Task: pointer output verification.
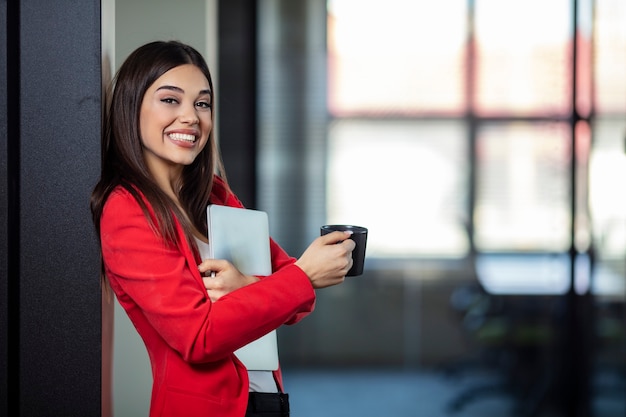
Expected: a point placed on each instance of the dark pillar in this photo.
(50, 110)
(237, 95)
(4, 208)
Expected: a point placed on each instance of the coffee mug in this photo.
(359, 236)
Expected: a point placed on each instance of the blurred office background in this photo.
(482, 142)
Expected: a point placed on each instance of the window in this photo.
(454, 124)
(398, 143)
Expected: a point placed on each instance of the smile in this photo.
(183, 137)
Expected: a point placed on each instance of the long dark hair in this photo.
(122, 155)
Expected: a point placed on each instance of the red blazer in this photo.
(189, 339)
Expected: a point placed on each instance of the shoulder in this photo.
(120, 199)
(124, 204)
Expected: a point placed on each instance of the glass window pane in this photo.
(610, 56)
(396, 56)
(607, 200)
(524, 273)
(523, 57)
(523, 187)
(404, 180)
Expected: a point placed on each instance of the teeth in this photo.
(183, 137)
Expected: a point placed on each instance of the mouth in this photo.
(183, 137)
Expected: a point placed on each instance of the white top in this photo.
(260, 381)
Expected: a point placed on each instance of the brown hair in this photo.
(122, 155)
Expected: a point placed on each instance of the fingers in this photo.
(210, 267)
(220, 277)
(349, 244)
(328, 259)
(216, 286)
(208, 282)
(335, 237)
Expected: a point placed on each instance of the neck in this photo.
(169, 184)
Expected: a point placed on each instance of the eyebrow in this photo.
(180, 90)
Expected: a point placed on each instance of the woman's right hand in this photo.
(328, 259)
(220, 277)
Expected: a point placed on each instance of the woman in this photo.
(160, 170)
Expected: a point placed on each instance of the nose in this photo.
(189, 114)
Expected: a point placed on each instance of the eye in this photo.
(169, 100)
(203, 104)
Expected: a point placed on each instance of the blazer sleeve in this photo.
(160, 287)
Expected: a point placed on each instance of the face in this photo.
(175, 120)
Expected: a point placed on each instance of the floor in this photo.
(371, 393)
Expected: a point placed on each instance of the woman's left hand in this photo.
(221, 277)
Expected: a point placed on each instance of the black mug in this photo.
(359, 236)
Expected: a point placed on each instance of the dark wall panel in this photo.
(3, 213)
(237, 95)
(54, 342)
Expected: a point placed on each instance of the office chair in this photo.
(512, 340)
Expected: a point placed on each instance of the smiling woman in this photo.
(161, 169)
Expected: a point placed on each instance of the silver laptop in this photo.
(241, 236)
